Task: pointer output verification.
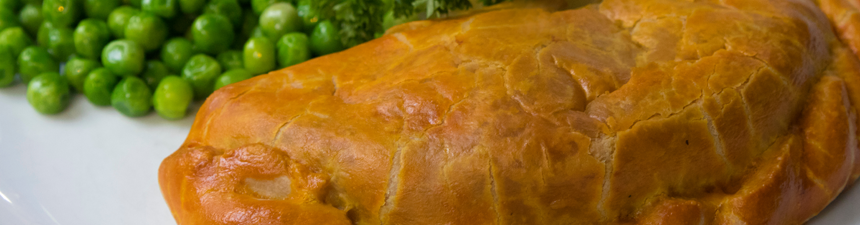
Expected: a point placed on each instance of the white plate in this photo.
(90, 166)
(87, 165)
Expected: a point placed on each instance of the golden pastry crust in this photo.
(625, 112)
(845, 17)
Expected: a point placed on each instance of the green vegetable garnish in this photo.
(7, 67)
(279, 19)
(90, 37)
(232, 76)
(31, 18)
(16, 39)
(98, 86)
(201, 71)
(293, 48)
(310, 16)
(123, 58)
(62, 13)
(259, 55)
(48, 93)
(36, 60)
(118, 19)
(61, 43)
(176, 53)
(360, 20)
(325, 39)
(42, 33)
(77, 70)
(172, 97)
(147, 30)
(132, 97)
(212, 33)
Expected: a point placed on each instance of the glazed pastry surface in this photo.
(622, 112)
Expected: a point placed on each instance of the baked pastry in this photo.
(623, 112)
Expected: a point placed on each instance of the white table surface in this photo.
(90, 166)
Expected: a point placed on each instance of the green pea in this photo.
(212, 33)
(35, 60)
(147, 30)
(280, 19)
(98, 86)
(260, 5)
(176, 52)
(16, 39)
(63, 13)
(249, 22)
(259, 56)
(77, 69)
(310, 16)
(42, 35)
(100, 9)
(201, 72)
(48, 93)
(7, 67)
(8, 19)
(131, 97)
(293, 49)
(123, 58)
(227, 8)
(191, 6)
(90, 37)
(155, 71)
(61, 43)
(231, 60)
(325, 39)
(31, 18)
(162, 8)
(118, 19)
(232, 76)
(10, 4)
(172, 97)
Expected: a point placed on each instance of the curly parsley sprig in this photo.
(433, 8)
(359, 20)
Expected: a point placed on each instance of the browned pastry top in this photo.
(626, 112)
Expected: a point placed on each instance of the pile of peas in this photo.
(136, 55)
